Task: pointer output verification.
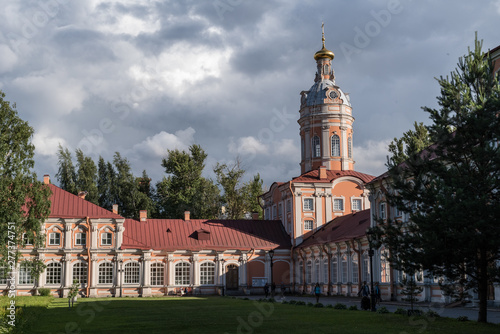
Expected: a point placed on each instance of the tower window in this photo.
(349, 147)
(316, 148)
(308, 204)
(308, 225)
(335, 146)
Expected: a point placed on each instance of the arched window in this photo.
(132, 271)
(316, 148)
(207, 273)
(335, 270)
(53, 273)
(106, 273)
(366, 267)
(385, 269)
(308, 272)
(355, 269)
(335, 146)
(345, 274)
(25, 274)
(182, 273)
(316, 271)
(80, 272)
(157, 273)
(349, 147)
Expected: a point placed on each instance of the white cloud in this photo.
(371, 157)
(158, 144)
(8, 59)
(247, 146)
(47, 144)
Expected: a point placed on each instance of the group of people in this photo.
(364, 293)
(273, 289)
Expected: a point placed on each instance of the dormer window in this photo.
(54, 239)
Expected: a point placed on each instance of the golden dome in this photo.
(324, 52)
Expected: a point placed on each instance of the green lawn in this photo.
(220, 315)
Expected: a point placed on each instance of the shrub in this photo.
(401, 311)
(246, 298)
(329, 306)
(318, 305)
(285, 302)
(310, 304)
(353, 308)
(383, 310)
(300, 302)
(463, 318)
(271, 300)
(432, 314)
(292, 302)
(44, 291)
(340, 306)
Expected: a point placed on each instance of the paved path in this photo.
(455, 312)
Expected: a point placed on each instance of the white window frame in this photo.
(335, 142)
(335, 270)
(53, 274)
(307, 207)
(308, 224)
(356, 200)
(383, 210)
(80, 239)
(105, 273)
(26, 240)
(349, 147)
(354, 269)
(110, 239)
(132, 273)
(53, 238)
(309, 272)
(25, 277)
(80, 271)
(344, 268)
(182, 273)
(157, 274)
(338, 200)
(207, 273)
(316, 147)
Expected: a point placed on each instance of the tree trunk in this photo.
(482, 288)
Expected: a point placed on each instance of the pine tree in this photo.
(451, 189)
(24, 201)
(66, 175)
(86, 177)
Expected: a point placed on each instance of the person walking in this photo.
(317, 292)
(364, 292)
(376, 289)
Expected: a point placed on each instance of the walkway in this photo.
(455, 312)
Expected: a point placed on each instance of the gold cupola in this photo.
(324, 52)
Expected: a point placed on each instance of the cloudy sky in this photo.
(141, 77)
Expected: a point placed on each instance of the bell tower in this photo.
(325, 120)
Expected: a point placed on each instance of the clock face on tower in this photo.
(333, 94)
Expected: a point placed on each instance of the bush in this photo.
(463, 318)
(329, 306)
(246, 298)
(44, 291)
(292, 302)
(271, 300)
(318, 305)
(353, 308)
(285, 302)
(432, 314)
(401, 311)
(300, 302)
(340, 306)
(383, 310)
(310, 304)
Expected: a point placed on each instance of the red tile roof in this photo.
(67, 205)
(331, 175)
(177, 234)
(340, 229)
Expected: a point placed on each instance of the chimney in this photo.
(143, 215)
(186, 215)
(46, 179)
(322, 172)
(115, 208)
(255, 216)
(82, 194)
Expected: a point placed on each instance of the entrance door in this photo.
(232, 277)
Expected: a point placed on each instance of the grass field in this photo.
(217, 315)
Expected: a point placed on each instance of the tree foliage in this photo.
(185, 188)
(24, 201)
(451, 190)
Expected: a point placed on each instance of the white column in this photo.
(325, 142)
(67, 235)
(328, 207)
(67, 282)
(343, 143)
(243, 270)
(307, 149)
(94, 235)
(145, 281)
(319, 209)
(298, 216)
(195, 278)
(95, 276)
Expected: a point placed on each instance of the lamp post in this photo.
(369, 236)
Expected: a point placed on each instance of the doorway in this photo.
(232, 277)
